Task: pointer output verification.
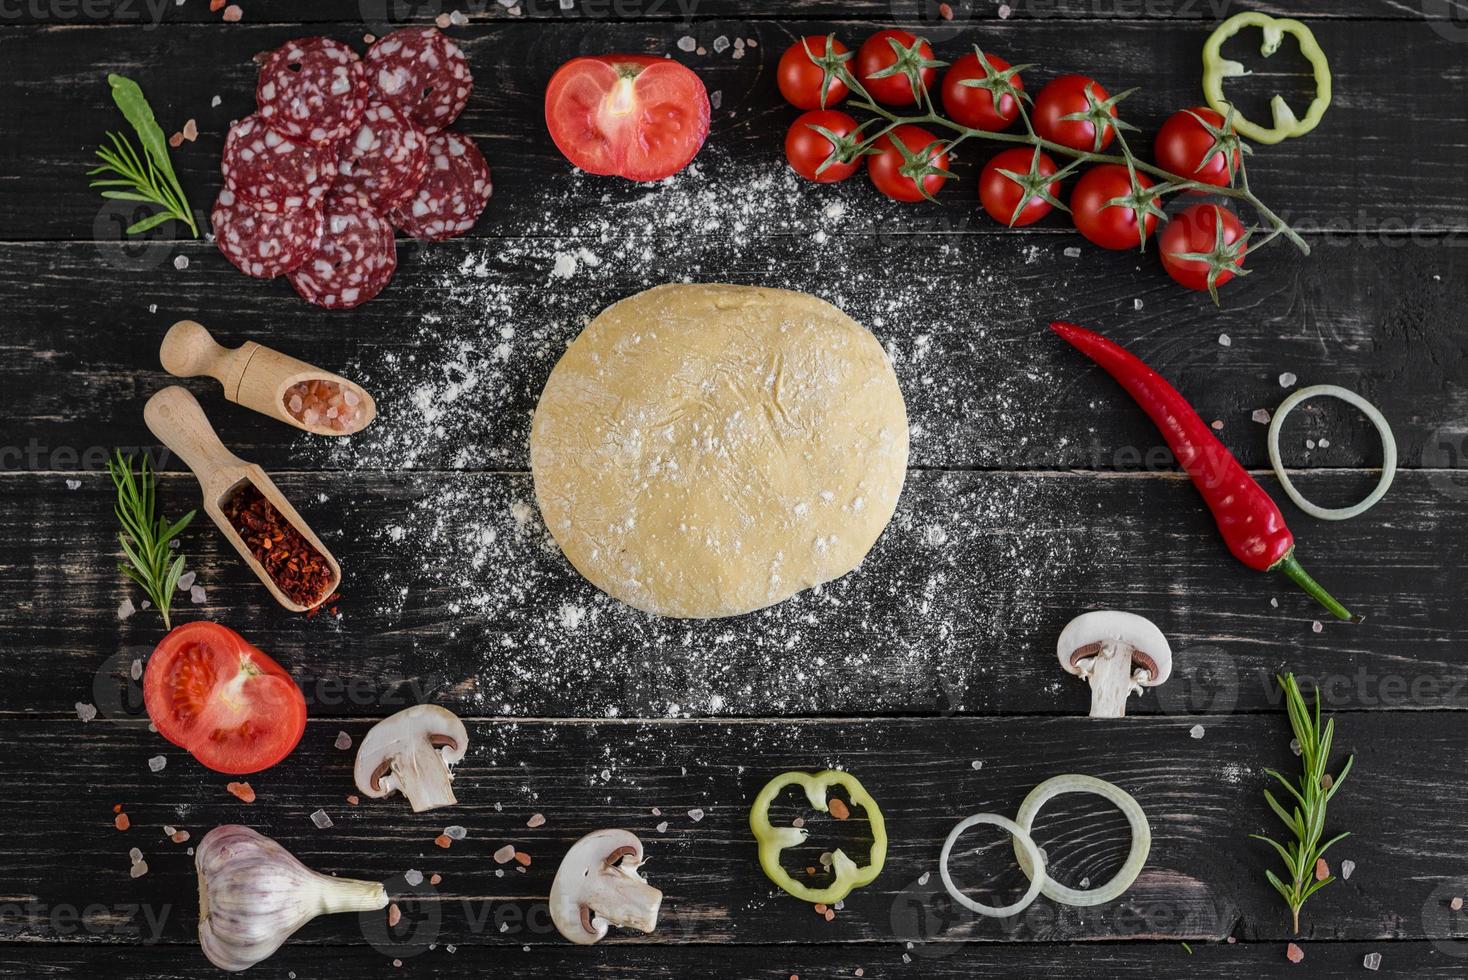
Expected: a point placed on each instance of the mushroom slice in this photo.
(411, 752)
(597, 886)
(1117, 653)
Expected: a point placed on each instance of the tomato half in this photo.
(1108, 225)
(885, 167)
(1000, 195)
(877, 54)
(972, 106)
(1183, 147)
(1195, 230)
(208, 690)
(808, 149)
(631, 115)
(1065, 96)
(801, 79)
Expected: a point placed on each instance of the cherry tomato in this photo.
(1000, 195)
(1062, 97)
(876, 53)
(1195, 230)
(1183, 147)
(801, 79)
(885, 167)
(807, 149)
(974, 107)
(635, 116)
(209, 691)
(1110, 226)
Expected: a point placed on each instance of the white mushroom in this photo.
(411, 752)
(597, 885)
(1117, 653)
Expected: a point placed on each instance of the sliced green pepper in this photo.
(1216, 68)
(772, 840)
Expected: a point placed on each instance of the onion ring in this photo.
(1388, 451)
(1023, 844)
(1135, 859)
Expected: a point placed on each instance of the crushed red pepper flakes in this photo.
(215, 6)
(122, 821)
(838, 809)
(444, 841)
(241, 790)
(117, 808)
(293, 563)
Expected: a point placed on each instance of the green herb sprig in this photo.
(147, 176)
(1306, 817)
(145, 536)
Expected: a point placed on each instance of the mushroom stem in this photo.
(624, 899)
(423, 777)
(1109, 673)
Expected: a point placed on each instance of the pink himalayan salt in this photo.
(324, 403)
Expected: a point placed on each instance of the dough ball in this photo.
(709, 450)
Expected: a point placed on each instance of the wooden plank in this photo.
(978, 961)
(1311, 180)
(1203, 880)
(454, 593)
(913, 14)
(458, 347)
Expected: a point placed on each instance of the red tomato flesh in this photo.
(634, 116)
(208, 690)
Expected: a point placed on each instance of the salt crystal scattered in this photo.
(923, 878)
(1287, 380)
(343, 741)
(657, 811)
(505, 854)
(1371, 961)
(136, 670)
(73, 484)
(458, 18)
(455, 832)
(1072, 252)
(687, 43)
(1317, 626)
(1324, 443)
(180, 261)
(1261, 415)
(1217, 425)
(169, 831)
(413, 877)
(1348, 868)
(1322, 869)
(186, 581)
(716, 98)
(536, 820)
(1137, 303)
(233, 13)
(1456, 904)
(721, 44)
(321, 820)
(214, 102)
(1224, 340)
(85, 711)
(134, 855)
(157, 762)
(139, 869)
(663, 827)
(1273, 603)
(1295, 746)
(125, 609)
(1004, 11)
(1294, 953)
(977, 764)
(196, 595)
(695, 815)
(1196, 731)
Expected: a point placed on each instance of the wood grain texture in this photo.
(1311, 181)
(980, 961)
(454, 593)
(1203, 879)
(986, 384)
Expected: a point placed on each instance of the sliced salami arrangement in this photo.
(341, 151)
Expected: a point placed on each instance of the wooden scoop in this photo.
(175, 418)
(254, 376)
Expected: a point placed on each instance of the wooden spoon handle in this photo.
(176, 418)
(189, 350)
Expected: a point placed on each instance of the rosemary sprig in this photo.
(1306, 817)
(145, 536)
(1225, 140)
(148, 176)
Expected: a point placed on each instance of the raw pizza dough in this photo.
(709, 450)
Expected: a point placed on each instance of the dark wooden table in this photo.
(1036, 491)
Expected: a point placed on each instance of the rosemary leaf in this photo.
(150, 175)
(145, 536)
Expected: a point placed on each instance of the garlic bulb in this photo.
(253, 894)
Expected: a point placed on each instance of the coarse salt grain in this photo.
(343, 741)
(1294, 953)
(156, 763)
(138, 869)
(455, 832)
(662, 827)
(413, 877)
(196, 595)
(505, 854)
(687, 43)
(536, 820)
(1224, 340)
(85, 711)
(1348, 868)
(321, 820)
(180, 262)
(1196, 731)
(695, 815)
(1287, 380)
(1261, 415)
(1371, 961)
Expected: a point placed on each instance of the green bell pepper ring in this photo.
(773, 840)
(1216, 68)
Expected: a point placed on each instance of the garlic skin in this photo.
(253, 894)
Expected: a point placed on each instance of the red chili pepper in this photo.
(1248, 519)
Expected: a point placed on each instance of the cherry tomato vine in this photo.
(1071, 119)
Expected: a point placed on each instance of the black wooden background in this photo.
(1036, 491)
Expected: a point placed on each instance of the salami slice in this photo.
(260, 243)
(421, 73)
(452, 195)
(384, 161)
(312, 89)
(272, 173)
(354, 260)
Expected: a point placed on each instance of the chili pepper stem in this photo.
(1291, 567)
